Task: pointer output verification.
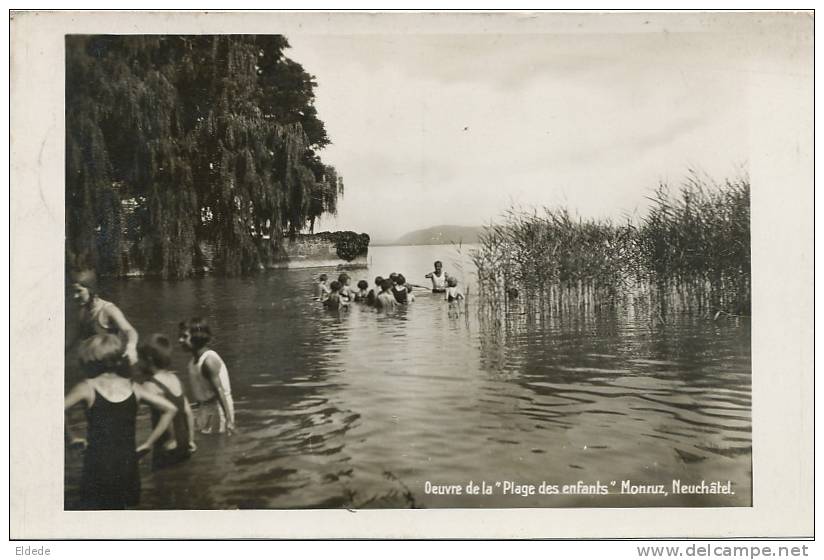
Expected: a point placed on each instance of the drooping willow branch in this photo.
(176, 141)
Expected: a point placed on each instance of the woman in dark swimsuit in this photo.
(110, 478)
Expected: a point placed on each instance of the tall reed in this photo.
(695, 246)
(691, 251)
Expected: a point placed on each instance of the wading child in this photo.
(372, 296)
(362, 293)
(453, 293)
(321, 289)
(438, 278)
(98, 316)
(209, 380)
(401, 291)
(345, 289)
(386, 301)
(177, 443)
(110, 478)
(334, 301)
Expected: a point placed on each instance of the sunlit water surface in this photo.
(358, 409)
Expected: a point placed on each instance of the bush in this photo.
(348, 244)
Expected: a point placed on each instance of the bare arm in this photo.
(190, 421)
(117, 317)
(212, 366)
(167, 409)
(82, 392)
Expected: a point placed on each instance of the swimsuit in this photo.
(110, 477)
(439, 283)
(210, 416)
(91, 320)
(400, 294)
(162, 457)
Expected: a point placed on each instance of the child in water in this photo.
(345, 289)
(401, 290)
(110, 478)
(362, 293)
(453, 293)
(385, 300)
(321, 289)
(98, 316)
(177, 443)
(372, 296)
(334, 301)
(208, 379)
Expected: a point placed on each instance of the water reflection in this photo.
(655, 404)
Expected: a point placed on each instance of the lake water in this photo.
(357, 409)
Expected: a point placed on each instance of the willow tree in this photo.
(176, 142)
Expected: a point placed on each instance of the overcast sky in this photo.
(453, 129)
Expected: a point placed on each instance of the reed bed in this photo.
(690, 252)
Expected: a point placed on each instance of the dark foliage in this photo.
(348, 244)
(173, 142)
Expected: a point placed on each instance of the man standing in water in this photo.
(438, 278)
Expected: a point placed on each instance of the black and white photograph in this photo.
(398, 265)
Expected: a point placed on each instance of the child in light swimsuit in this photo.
(345, 289)
(362, 293)
(453, 293)
(321, 289)
(209, 380)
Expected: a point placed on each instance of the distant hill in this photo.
(441, 235)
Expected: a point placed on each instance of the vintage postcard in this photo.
(411, 274)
